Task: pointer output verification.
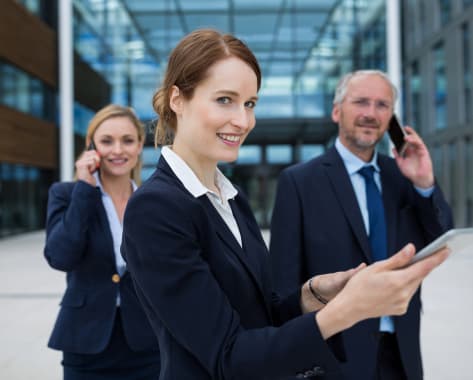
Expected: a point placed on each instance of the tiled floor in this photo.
(30, 292)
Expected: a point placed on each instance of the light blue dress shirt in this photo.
(353, 164)
(116, 227)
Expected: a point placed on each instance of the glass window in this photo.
(24, 93)
(453, 174)
(23, 198)
(437, 160)
(416, 90)
(308, 152)
(279, 154)
(469, 181)
(249, 154)
(440, 86)
(82, 117)
(32, 5)
(466, 71)
(445, 9)
(150, 156)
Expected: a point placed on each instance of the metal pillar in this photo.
(393, 50)
(66, 91)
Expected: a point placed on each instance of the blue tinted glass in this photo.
(150, 156)
(279, 154)
(249, 154)
(308, 152)
(146, 173)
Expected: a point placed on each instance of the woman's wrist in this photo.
(309, 302)
(334, 318)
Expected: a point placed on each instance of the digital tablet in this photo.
(457, 240)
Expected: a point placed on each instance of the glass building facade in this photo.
(437, 60)
(303, 46)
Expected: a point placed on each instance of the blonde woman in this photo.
(101, 328)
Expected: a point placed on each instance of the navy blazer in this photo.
(209, 300)
(79, 242)
(317, 227)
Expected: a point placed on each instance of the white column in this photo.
(393, 48)
(66, 91)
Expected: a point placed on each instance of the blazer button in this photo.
(116, 278)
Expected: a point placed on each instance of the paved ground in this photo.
(30, 292)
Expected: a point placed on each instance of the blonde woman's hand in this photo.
(86, 165)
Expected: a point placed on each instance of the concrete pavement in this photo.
(30, 292)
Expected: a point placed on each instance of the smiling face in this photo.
(212, 125)
(118, 144)
(364, 113)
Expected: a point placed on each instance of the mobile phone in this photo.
(396, 134)
(91, 146)
(457, 240)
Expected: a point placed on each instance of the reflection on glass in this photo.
(453, 175)
(466, 71)
(82, 117)
(279, 154)
(469, 181)
(307, 152)
(23, 197)
(249, 154)
(32, 5)
(416, 88)
(440, 86)
(437, 161)
(22, 92)
(150, 156)
(445, 9)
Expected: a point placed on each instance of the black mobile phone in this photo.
(396, 134)
(91, 145)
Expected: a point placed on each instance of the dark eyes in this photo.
(228, 100)
(224, 100)
(250, 104)
(125, 141)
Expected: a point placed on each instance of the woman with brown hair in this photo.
(197, 257)
(101, 327)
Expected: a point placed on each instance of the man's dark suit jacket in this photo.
(209, 300)
(317, 228)
(79, 242)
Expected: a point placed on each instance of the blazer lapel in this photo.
(104, 227)
(343, 189)
(245, 255)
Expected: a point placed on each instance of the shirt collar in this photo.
(190, 181)
(353, 163)
(100, 186)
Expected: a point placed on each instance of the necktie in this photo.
(377, 224)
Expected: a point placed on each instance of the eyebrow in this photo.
(233, 93)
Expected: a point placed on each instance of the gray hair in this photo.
(342, 85)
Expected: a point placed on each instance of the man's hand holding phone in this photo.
(87, 164)
(414, 162)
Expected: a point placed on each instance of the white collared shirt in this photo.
(190, 181)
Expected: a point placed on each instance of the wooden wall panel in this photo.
(27, 42)
(27, 140)
(30, 44)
